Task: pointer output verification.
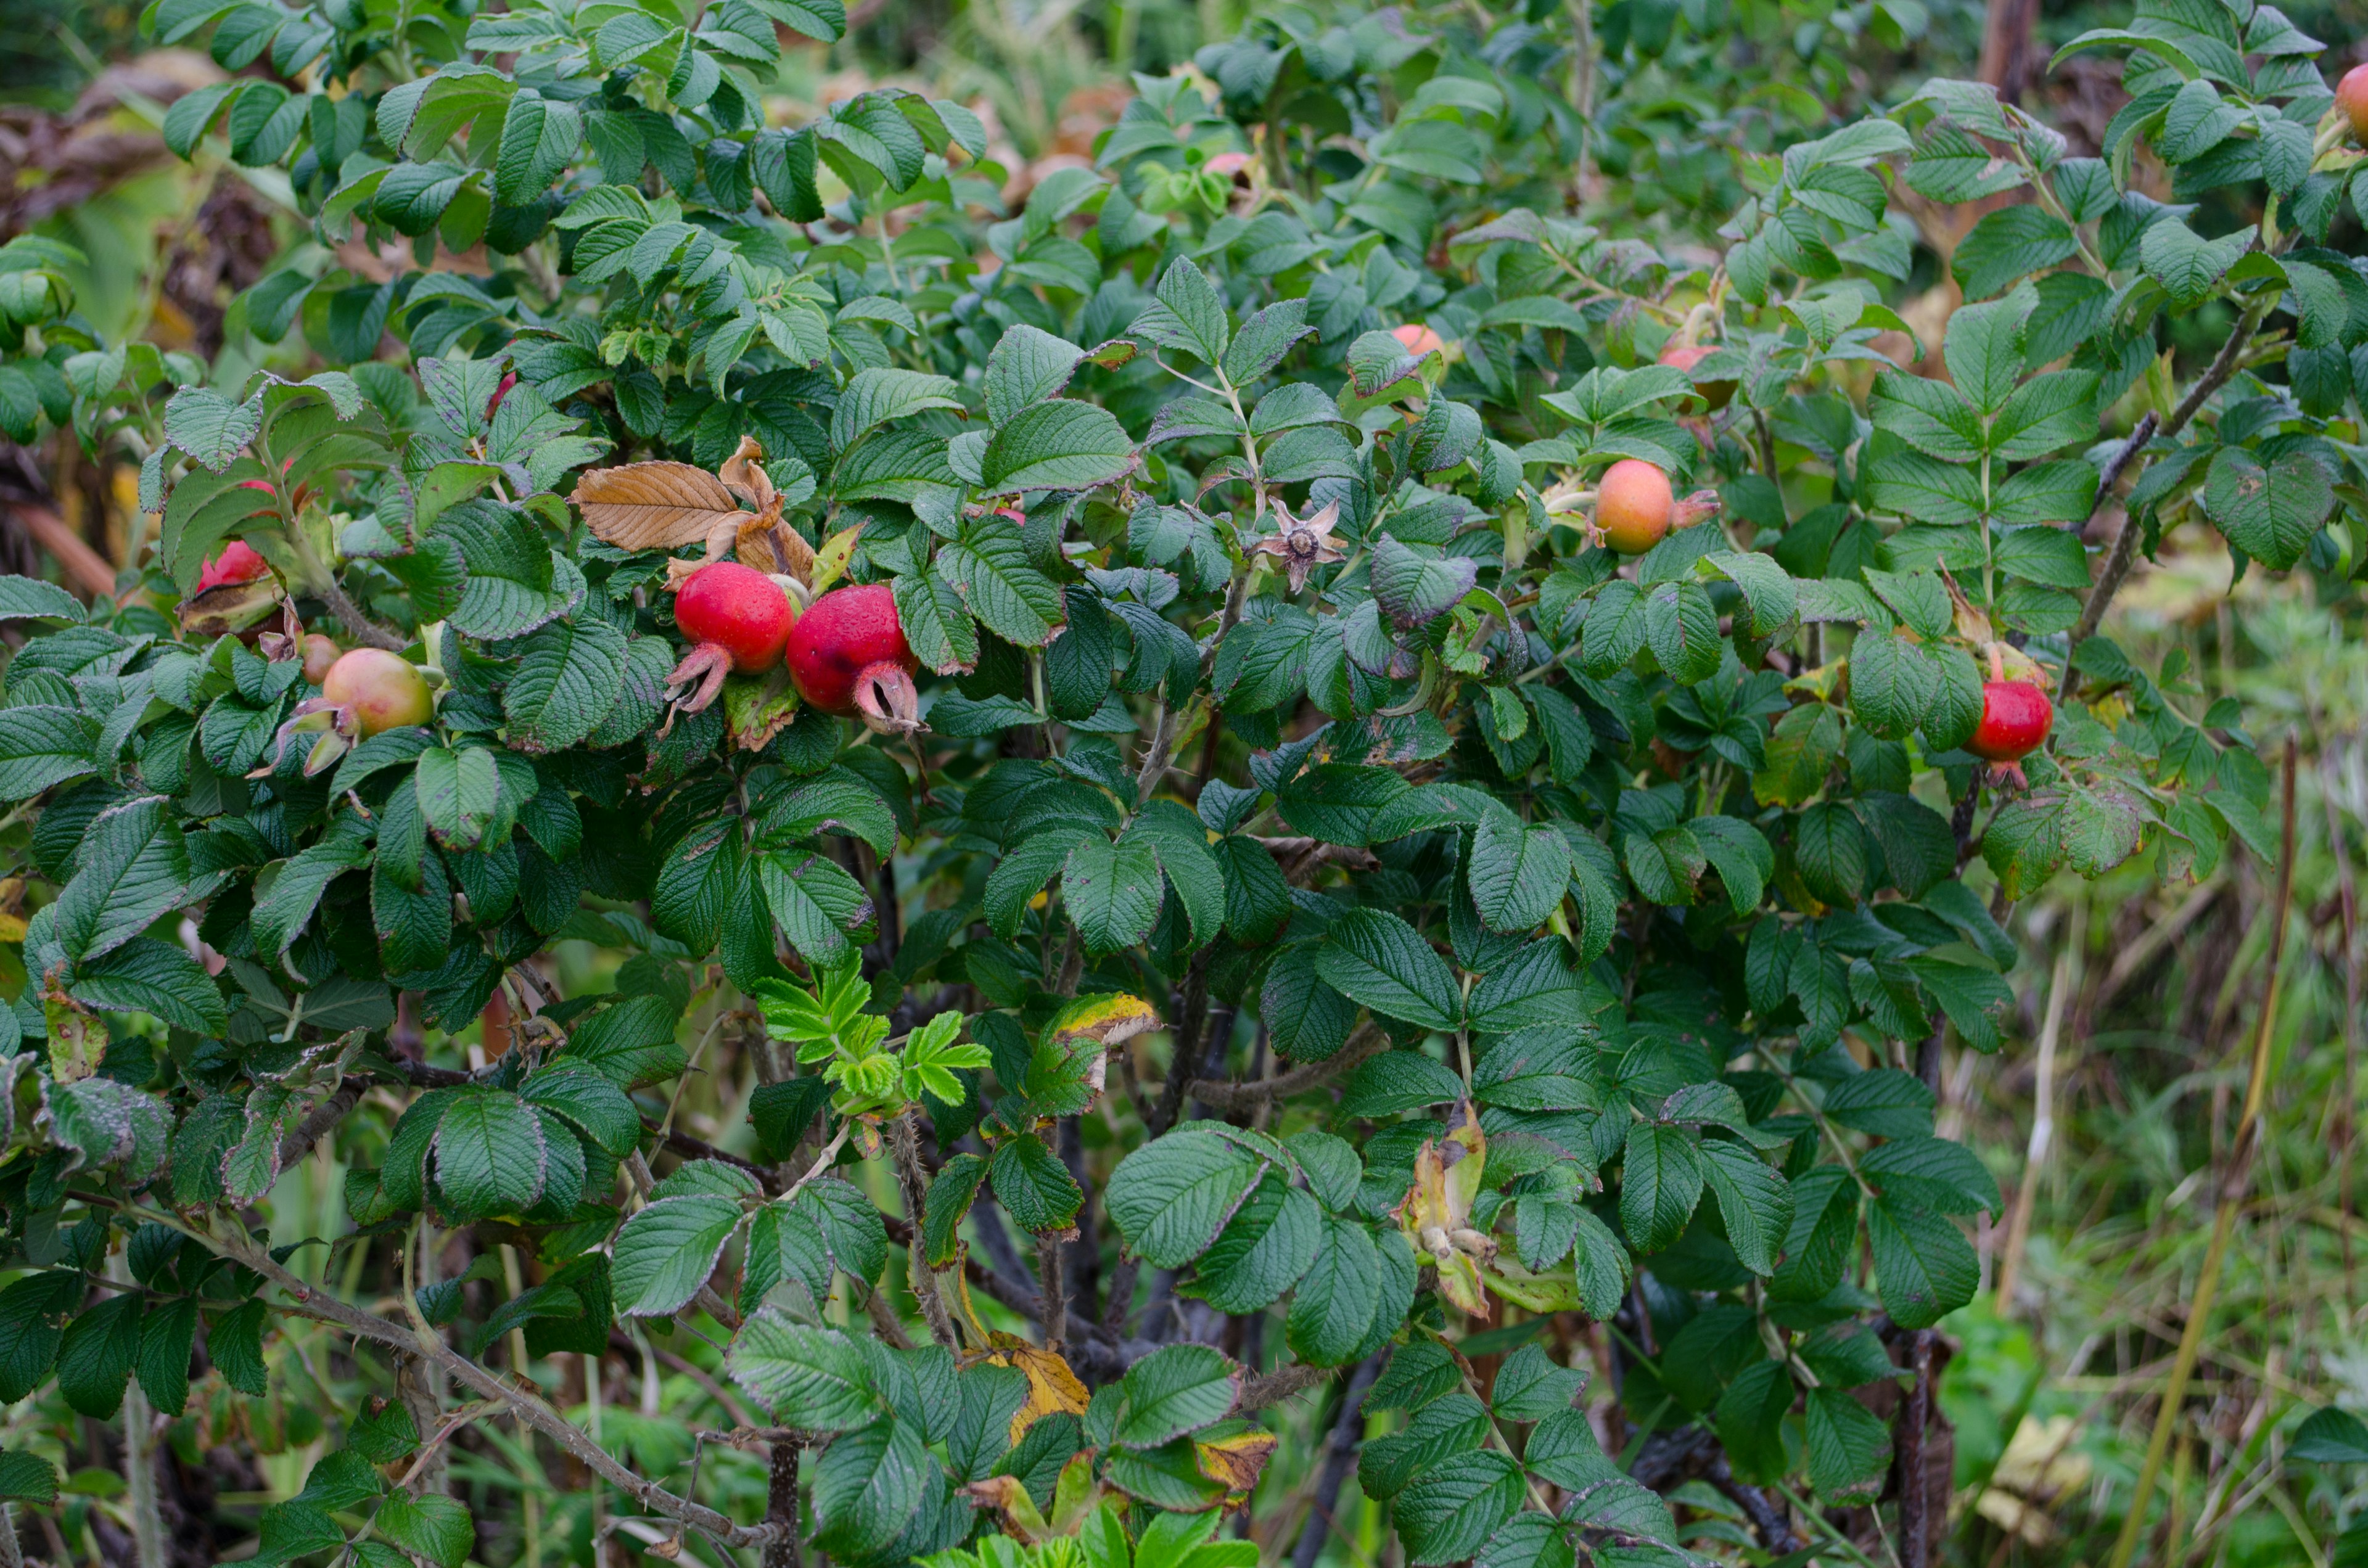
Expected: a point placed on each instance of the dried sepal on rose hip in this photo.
(849, 656)
(737, 618)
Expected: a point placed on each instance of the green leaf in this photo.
(1984, 352)
(1924, 1268)
(868, 1485)
(1170, 1197)
(948, 1201)
(1372, 957)
(876, 395)
(815, 902)
(1750, 1418)
(490, 1156)
(1660, 1183)
(2328, 1435)
(1454, 1506)
(2268, 512)
(1111, 891)
(1336, 802)
(1176, 1389)
(1190, 315)
(539, 137)
(96, 1356)
(1891, 684)
(32, 1317)
(1438, 1431)
(591, 1103)
(570, 674)
(1681, 627)
(1265, 1249)
(1517, 874)
(815, 1377)
(2188, 267)
(1752, 1199)
(27, 1478)
(458, 792)
(1414, 589)
(2007, 245)
(1332, 1310)
(29, 598)
(132, 867)
(210, 428)
(989, 568)
(935, 621)
(1034, 1187)
(1534, 988)
(431, 1525)
(1060, 444)
(42, 747)
(666, 1250)
(1181, 842)
(164, 1365)
(630, 1042)
(1849, 1449)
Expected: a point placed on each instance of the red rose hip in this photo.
(849, 656)
(238, 563)
(738, 618)
(2016, 717)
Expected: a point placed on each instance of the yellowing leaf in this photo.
(830, 561)
(1051, 1386)
(1234, 1461)
(1105, 1018)
(758, 707)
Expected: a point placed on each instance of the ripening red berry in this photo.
(738, 618)
(1685, 357)
(1634, 505)
(2016, 717)
(238, 563)
(494, 403)
(849, 656)
(2352, 97)
(384, 691)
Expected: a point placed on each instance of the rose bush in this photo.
(1367, 933)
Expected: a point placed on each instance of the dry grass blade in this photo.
(655, 506)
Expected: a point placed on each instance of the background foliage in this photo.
(1302, 788)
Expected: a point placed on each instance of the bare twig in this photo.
(1221, 1095)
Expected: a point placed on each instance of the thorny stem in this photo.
(905, 1142)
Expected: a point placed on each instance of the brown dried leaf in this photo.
(743, 474)
(655, 506)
